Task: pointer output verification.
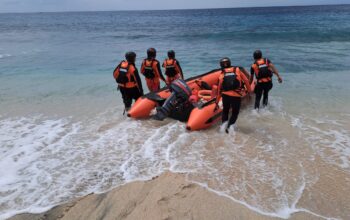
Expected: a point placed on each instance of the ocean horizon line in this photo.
(175, 9)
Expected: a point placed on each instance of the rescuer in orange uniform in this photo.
(128, 80)
(232, 82)
(172, 68)
(263, 70)
(150, 68)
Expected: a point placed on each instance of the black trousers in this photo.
(230, 102)
(128, 94)
(262, 89)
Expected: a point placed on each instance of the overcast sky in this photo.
(106, 5)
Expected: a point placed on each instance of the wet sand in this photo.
(168, 196)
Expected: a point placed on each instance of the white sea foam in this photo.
(223, 127)
(284, 212)
(49, 161)
(274, 107)
(26, 145)
(5, 55)
(327, 137)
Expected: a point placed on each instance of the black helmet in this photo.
(257, 54)
(151, 53)
(130, 56)
(225, 62)
(171, 54)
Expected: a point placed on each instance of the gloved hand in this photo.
(279, 79)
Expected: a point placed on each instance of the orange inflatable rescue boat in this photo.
(201, 114)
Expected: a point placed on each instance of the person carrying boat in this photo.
(150, 68)
(180, 94)
(127, 77)
(172, 68)
(232, 82)
(263, 70)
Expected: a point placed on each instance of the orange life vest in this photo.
(231, 81)
(124, 75)
(262, 70)
(149, 71)
(171, 69)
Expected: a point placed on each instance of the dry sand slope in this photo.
(166, 197)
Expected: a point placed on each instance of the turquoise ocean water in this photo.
(62, 133)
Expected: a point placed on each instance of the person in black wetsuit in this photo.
(128, 80)
(263, 70)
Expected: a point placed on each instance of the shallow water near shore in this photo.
(63, 134)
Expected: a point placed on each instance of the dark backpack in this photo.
(230, 81)
(149, 72)
(170, 70)
(264, 71)
(123, 75)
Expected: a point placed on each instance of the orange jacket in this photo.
(255, 68)
(240, 76)
(155, 66)
(170, 63)
(133, 79)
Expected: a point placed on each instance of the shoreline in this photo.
(173, 9)
(168, 196)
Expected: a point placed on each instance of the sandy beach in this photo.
(65, 144)
(168, 196)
